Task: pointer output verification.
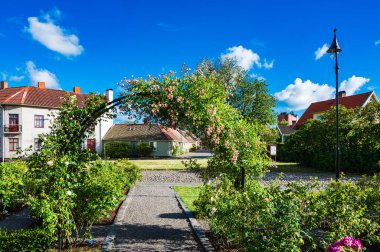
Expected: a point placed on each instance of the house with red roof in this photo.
(165, 141)
(316, 109)
(25, 115)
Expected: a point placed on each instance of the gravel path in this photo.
(153, 220)
(19, 220)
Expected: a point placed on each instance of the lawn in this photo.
(166, 164)
(291, 167)
(188, 195)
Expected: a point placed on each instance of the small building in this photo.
(165, 141)
(289, 118)
(285, 124)
(285, 131)
(316, 109)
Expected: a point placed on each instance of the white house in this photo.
(24, 113)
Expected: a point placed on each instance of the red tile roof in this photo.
(38, 97)
(352, 101)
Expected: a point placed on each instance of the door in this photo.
(13, 123)
(91, 144)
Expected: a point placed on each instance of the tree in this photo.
(247, 94)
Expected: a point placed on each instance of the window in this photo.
(37, 144)
(13, 123)
(38, 121)
(153, 145)
(13, 144)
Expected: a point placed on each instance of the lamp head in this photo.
(334, 47)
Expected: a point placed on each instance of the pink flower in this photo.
(235, 156)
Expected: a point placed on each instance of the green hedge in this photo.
(117, 150)
(36, 239)
(143, 149)
(11, 183)
(313, 145)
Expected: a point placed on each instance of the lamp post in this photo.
(335, 49)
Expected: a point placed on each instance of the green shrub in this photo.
(117, 150)
(102, 190)
(36, 239)
(143, 149)
(303, 216)
(11, 183)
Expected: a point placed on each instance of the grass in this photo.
(166, 164)
(188, 195)
(291, 167)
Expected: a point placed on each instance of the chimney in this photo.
(41, 84)
(76, 90)
(4, 85)
(342, 93)
(109, 94)
(146, 121)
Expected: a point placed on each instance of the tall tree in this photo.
(247, 94)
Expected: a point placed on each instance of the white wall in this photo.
(29, 132)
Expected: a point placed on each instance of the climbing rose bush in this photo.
(197, 101)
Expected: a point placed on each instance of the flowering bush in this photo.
(311, 217)
(346, 244)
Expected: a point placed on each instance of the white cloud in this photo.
(301, 94)
(16, 78)
(377, 42)
(321, 51)
(53, 36)
(36, 75)
(268, 65)
(353, 84)
(246, 58)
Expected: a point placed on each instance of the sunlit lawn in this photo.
(166, 164)
(292, 167)
(188, 195)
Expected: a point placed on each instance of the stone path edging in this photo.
(110, 239)
(197, 229)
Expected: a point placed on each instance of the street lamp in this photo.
(335, 49)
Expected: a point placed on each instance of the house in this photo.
(25, 116)
(285, 131)
(285, 123)
(165, 142)
(316, 109)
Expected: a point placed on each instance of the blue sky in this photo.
(94, 44)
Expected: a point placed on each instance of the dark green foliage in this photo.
(313, 145)
(143, 149)
(25, 240)
(117, 149)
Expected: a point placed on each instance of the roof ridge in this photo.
(26, 89)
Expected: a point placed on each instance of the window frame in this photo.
(12, 141)
(39, 121)
(153, 144)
